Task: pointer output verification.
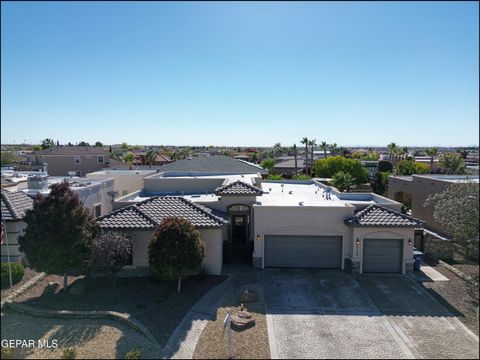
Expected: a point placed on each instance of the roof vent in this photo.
(269, 189)
(290, 192)
(300, 203)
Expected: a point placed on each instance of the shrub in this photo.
(175, 250)
(18, 270)
(274, 177)
(385, 166)
(330, 166)
(69, 353)
(133, 354)
(452, 163)
(7, 352)
(409, 167)
(343, 181)
(268, 164)
(302, 177)
(379, 182)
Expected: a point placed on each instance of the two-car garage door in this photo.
(303, 251)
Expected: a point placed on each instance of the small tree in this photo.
(379, 182)
(452, 163)
(409, 167)
(343, 181)
(129, 158)
(98, 144)
(268, 164)
(59, 232)
(150, 156)
(110, 252)
(47, 143)
(384, 166)
(175, 250)
(83, 143)
(457, 209)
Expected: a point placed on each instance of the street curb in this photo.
(35, 280)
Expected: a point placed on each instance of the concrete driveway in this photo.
(330, 314)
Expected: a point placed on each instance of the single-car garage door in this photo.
(303, 251)
(382, 255)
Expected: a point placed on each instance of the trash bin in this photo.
(418, 256)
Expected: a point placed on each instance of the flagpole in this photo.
(8, 251)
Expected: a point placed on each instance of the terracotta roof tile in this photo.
(238, 188)
(15, 204)
(378, 216)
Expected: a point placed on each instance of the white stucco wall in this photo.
(14, 230)
(298, 220)
(212, 263)
(362, 233)
(126, 181)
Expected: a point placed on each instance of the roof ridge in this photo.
(391, 211)
(213, 217)
(238, 182)
(125, 208)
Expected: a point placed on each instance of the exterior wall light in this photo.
(358, 241)
(409, 241)
(258, 237)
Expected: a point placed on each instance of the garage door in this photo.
(382, 255)
(303, 251)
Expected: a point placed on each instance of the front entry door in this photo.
(239, 223)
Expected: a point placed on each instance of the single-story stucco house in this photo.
(297, 224)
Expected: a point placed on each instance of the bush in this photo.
(343, 181)
(274, 177)
(379, 182)
(409, 167)
(18, 270)
(7, 352)
(385, 166)
(330, 166)
(69, 353)
(301, 177)
(133, 354)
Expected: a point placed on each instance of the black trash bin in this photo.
(418, 256)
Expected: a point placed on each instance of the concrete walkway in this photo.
(182, 342)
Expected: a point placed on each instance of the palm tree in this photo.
(295, 154)
(432, 152)
(333, 147)
(129, 158)
(324, 145)
(392, 151)
(312, 144)
(150, 156)
(405, 152)
(305, 142)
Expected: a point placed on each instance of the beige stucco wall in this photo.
(60, 165)
(14, 230)
(125, 183)
(296, 220)
(419, 188)
(362, 233)
(212, 263)
(179, 185)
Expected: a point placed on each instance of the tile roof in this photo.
(238, 188)
(151, 212)
(214, 164)
(15, 204)
(72, 150)
(378, 216)
(290, 164)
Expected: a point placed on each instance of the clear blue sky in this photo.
(240, 73)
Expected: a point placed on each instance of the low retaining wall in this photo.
(458, 272)
(68, 314)
(23, 288)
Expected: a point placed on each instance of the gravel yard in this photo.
(457, 295)
(154, 303)
(92, 339)
(467, 267)
(29, 274)
(251, 343)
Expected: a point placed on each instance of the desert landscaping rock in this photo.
(241, 323)
(248, 296)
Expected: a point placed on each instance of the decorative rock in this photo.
(241, 323)
(248, 296)
(244, 314)
(51, 287)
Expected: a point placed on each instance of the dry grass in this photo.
(251, 343)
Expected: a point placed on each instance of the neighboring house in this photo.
(141, 159)
(126, 181)
(287, 167)
(297, 224)
(96, 195)
(14, 206)
(67, 160)
(414, 190)
(371, 166)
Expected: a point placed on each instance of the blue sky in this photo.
(240, 73)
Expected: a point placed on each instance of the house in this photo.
(141, 159)
(67, 160)
(297, 224)
(126, 181)
(96, 195)
(415, 189)
(14, 205)
(287, 168)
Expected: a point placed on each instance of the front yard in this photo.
(154, 303)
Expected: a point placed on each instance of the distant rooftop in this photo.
(123, 172)
(72, 150)
(447, 178)
(214, 164)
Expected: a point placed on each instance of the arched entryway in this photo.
(238, 248)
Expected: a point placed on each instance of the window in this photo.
(76, 159)
(100, 159)
(97, 210)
